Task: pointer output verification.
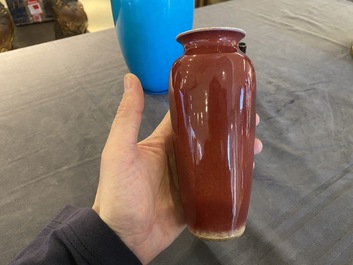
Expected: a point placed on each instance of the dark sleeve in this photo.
(77, 236)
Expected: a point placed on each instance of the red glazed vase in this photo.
(212, 91)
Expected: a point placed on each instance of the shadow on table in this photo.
(187, 249)
(251, 248)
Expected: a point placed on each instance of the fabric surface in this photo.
(76, 236)
(58, 100)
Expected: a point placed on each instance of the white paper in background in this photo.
(35, 10)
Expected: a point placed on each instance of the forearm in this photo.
(76, 236)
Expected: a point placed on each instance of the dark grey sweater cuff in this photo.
(76, 236)
(93, 240)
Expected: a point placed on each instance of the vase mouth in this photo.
(212, 29)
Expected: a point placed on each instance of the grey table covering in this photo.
(57, 101)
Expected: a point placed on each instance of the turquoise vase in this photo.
(147, 30)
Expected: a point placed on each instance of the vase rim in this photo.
(208, 29)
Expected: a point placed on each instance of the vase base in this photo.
(221, 236)
(156, 92)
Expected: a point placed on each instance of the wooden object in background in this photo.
(199, 3)
(70, 18)
(6, 30)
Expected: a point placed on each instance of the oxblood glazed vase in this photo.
(146, 31)
(212, 90)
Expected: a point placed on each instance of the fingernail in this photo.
(127, 82)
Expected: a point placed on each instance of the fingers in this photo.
(126, 125)
(257, 146)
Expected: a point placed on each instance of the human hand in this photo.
(136, 195)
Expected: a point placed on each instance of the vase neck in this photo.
(211, 40)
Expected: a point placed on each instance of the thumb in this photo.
(126, 125)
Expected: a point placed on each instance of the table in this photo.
(57, 101)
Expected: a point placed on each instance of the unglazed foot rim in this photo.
(218, 236)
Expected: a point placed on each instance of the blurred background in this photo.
(98, 14)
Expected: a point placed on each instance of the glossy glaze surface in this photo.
(212, 104)
(146, 32)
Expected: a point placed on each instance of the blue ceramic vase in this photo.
(147, 31)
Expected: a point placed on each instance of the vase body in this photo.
(212, 92)
(147, 33)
